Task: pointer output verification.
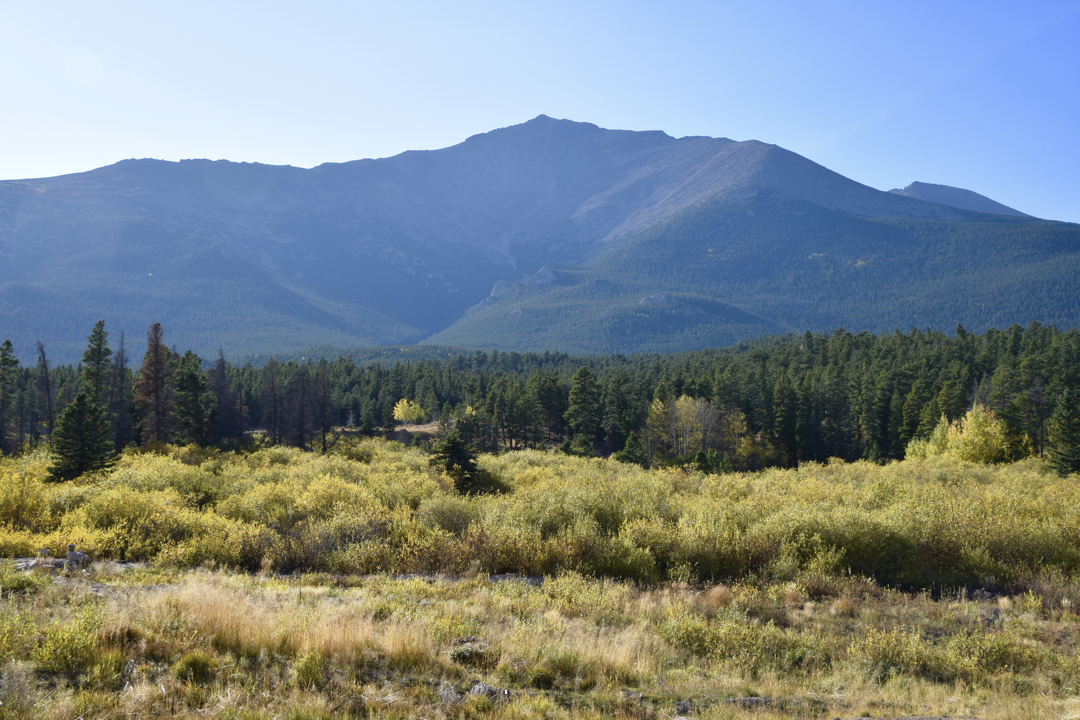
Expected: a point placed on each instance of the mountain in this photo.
(734, 269)
(551, 234)
(956, 197)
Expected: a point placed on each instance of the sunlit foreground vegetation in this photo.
(273, 588)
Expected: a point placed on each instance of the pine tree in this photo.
(44, 384)
(454, 457)
(584, 412)
(388, 420)
(272, 401)
(324, 405)
(580, 446)
(121, 398)
(367, 420)
(619, 417)
(297, 425)
(1064, 436)
(9, 365)
(154, 391)
(194, 402)
(230, 412)
(445, 419)
(913, 405)
(896, 426)
(929, 418)
(633, 452)
(547, 394)
(80, 443)
(97, 365)
(785, 409)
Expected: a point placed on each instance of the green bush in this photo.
(16, 634)
(540, 678)
(970, 657)
(196, 666)
(310, 670)
(69, 648)
(17, 581)
(732, 637)
(106, 670)
(883, 654)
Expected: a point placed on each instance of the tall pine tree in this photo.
(121, 398)
(45, 385)
(324, 405)
(9, 366)
(194, 402)
(273, 402)
(1063, 439)
(154, 391)
(584, 412)
(97, 365)
(231, 413)
(298, 408)
(80, 443)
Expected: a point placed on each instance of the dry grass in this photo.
(219, 644)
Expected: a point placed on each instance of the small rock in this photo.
(467, 640)
(482, 689)
(77, 558)
(447, 695)
(494, 693)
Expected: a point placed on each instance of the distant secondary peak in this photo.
(956, 197)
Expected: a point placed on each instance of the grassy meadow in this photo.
(286, 584)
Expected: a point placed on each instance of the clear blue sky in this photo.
(984, 96)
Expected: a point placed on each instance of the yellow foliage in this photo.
(938, 519)
(978, 438)
(409, 412)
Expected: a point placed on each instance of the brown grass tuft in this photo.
(719, 597)
(845, 607)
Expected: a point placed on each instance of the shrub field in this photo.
(287, 584)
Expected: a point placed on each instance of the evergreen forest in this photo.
(778, 401)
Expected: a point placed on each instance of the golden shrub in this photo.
(937, 519)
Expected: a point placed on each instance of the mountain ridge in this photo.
(390, 251)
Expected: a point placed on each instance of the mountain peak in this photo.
(561, 129)
(956, 197)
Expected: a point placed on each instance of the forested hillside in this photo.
(729, 270)
(778, 401)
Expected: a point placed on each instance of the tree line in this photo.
(775, 402)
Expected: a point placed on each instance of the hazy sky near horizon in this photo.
(983, 96)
